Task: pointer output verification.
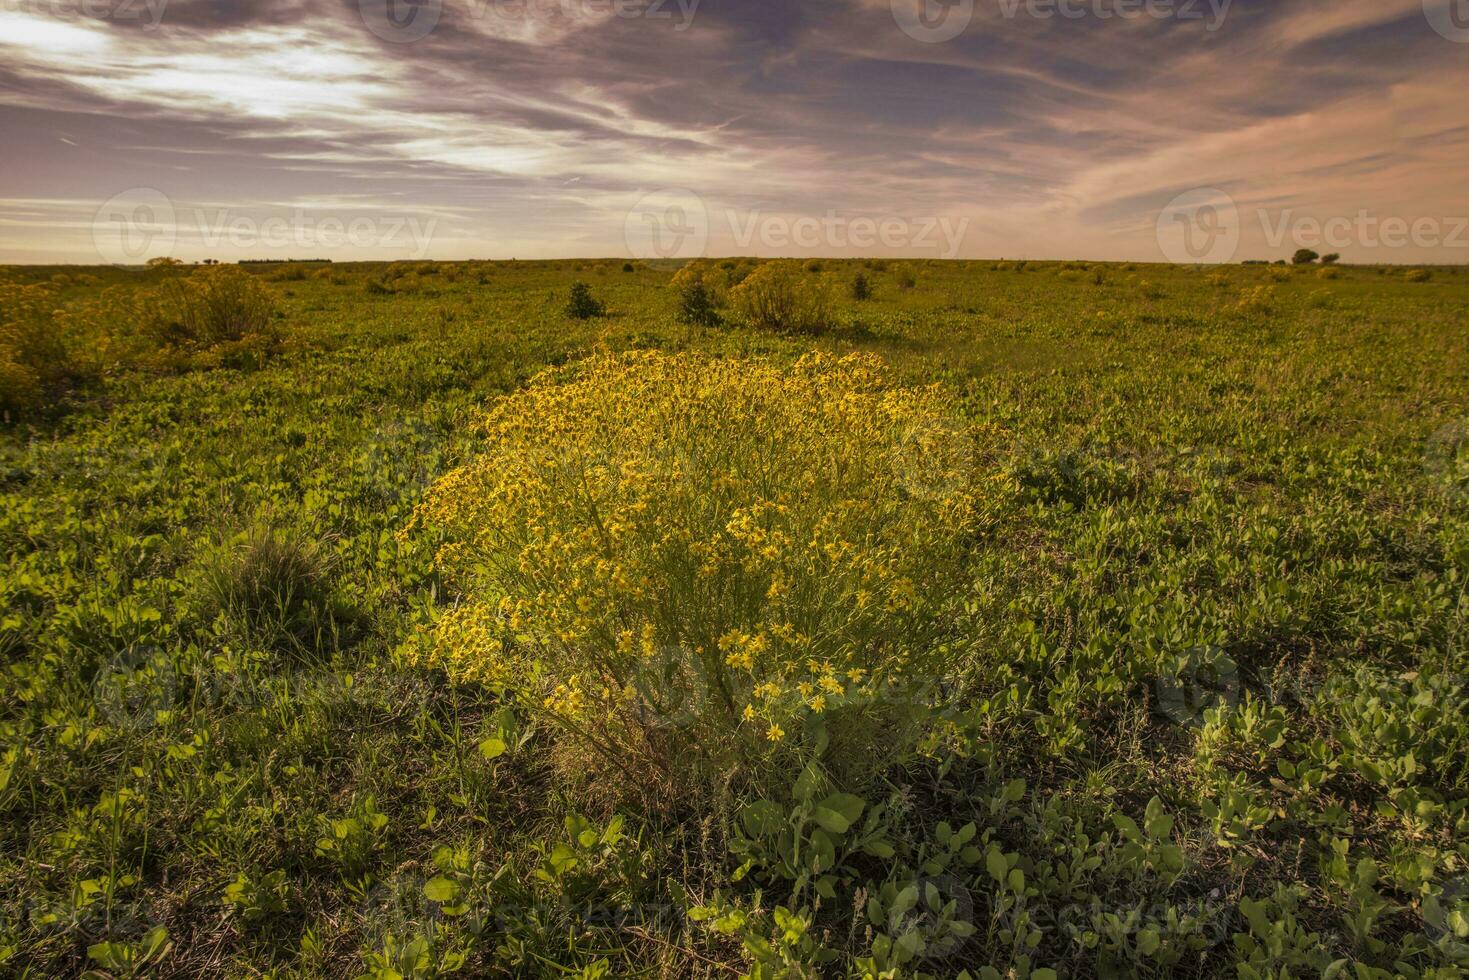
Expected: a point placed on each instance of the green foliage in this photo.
(776, 296)
(269, 586)
(582, 305)
(1202, 714)
(214, 305)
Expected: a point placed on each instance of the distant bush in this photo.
(814, 265)
(1328, 273)
(689, 563)
(214, 305)
(906, 278)
(1417, 275)
(697, 297)
(581, 305)
(1304, 256)
(628, 267)
(1256, 299)
(861, 290)
(1331, 259)
(777, 297)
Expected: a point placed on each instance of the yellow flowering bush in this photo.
(682, 558)
(34, 357)
(702, 272)
(778, 296)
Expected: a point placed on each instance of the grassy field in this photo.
(1170, 615)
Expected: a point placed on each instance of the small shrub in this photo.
(1257, 299)
(861, 290)
(814, 265)
(777, 297)
(1328, 273)
(582, 305)
(695, 305)
(684, 562)
(1417, 275)
(216, 304)
(34, 358)
(700, 287)
(906, 279)
(628, 267)
(1331, 259)
(269, 585)
(1304, 256)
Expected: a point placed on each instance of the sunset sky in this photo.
(546, 128)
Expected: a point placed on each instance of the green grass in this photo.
(1228, 576)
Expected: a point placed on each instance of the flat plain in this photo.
(1163, 671)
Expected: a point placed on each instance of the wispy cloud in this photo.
(532, 127)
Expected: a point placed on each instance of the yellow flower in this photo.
(749, 714)
(818, 703)
(776, 733)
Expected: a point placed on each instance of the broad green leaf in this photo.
(762, 819)
(440, 889)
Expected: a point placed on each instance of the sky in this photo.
(1138, 130)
